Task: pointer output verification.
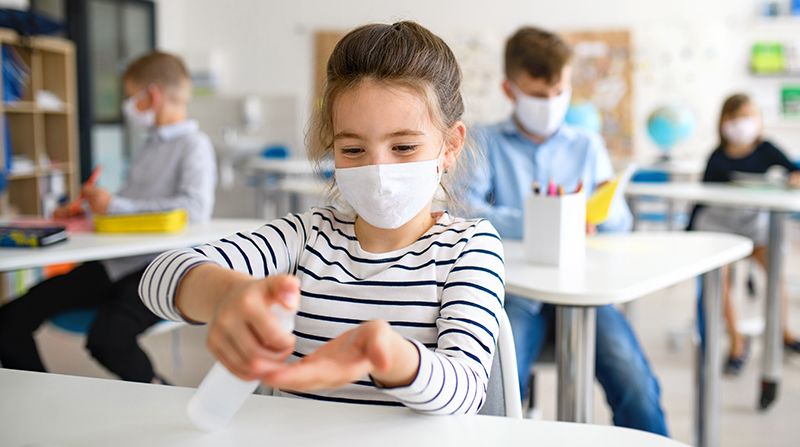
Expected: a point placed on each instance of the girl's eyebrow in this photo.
(398, 133)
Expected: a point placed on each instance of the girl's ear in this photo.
(456, 138)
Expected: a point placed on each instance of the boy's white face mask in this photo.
(541, 116)
(741, 131)
(136, 117)
(389, 195)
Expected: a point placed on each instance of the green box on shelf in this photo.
(790, 99)
(767, 58)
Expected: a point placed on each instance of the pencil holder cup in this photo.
(555, 230)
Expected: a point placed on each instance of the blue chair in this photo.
(654, 216)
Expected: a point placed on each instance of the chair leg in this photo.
(532, 412)
(177, 360)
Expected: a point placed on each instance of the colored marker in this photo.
(536, 188)
(560, 190)
(551, 188)
(580, 187)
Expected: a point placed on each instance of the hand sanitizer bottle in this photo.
(221, 393)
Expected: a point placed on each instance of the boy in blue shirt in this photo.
(534, 145)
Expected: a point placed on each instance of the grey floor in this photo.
(662, 321)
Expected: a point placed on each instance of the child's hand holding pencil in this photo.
(98, 198)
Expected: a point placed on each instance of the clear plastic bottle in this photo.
(221, 393)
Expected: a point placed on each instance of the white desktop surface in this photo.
(623, 267)
(59, 411)
(283, 166)
(720, 194)
(98, 246)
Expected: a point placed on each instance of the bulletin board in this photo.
(603, 76)
(324, 43)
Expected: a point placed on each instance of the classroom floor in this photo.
(662, 321)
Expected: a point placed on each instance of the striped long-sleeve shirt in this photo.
(442, 292)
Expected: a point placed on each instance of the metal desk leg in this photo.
(633, 205)
(282, 204)
(707, 365)
(773, 333)
(575, 347)
(670, 215)
(294, 202)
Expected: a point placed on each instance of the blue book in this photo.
(31, 236)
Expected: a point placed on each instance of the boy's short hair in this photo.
(537, 52)
(163, 69)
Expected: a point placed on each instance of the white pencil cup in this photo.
(555, 230)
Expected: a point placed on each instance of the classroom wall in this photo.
(686, 51)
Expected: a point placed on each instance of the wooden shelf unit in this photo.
(47, 137)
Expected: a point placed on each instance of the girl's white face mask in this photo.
(541, 116)
(389, 195)
(136, 117)
(741, 131)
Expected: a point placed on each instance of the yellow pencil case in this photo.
(155, 222)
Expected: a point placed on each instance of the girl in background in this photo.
(742, 149)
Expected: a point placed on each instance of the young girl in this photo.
(742, 150)
(396, 305)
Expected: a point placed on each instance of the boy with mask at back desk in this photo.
(534, 145)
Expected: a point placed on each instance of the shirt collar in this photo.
(176, 130)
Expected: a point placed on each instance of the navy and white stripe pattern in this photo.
(443, 292)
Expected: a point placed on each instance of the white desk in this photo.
(65, 411)
(683, 167)
(285, 181)
(620, 268)
(779, 203)
(97, 246)
(284, 166)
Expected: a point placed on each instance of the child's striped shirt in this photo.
(443, 292)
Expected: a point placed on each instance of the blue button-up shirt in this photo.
(498, 188)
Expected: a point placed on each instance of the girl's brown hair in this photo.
(731, 105)
(403, 54)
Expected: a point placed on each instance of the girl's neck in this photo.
(381, 240)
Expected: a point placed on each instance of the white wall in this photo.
(687, 51)
(18, 4)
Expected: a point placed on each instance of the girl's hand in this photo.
(243, 333)
(371, 348)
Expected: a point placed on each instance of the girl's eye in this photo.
(351, 150)
(405, 148)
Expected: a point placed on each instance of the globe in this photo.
(669, 125)
(585, 116)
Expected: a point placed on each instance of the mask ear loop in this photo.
(438, 157)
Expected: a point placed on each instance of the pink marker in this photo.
(551, 188)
